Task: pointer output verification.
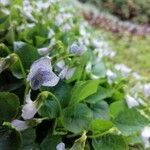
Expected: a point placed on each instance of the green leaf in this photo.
(17, 70)
(77, 74)
(39, 40)
(28, 138)
(7, 62)
(83, 89)
(4, 50)
(27, 53)
(86, 57)
(9, 139)
(77, 118)
(9, 104)
(8, 82)
(10, 36)
(12, 62)
(62, 91)
(115, 108)
(135, 139)
(50, 142)
(39, 30)
(49, 108)
(99, 126)
(130, 121)
(4, 21)
(109, 142)
(16, 2)
(118, 96)
(99, 69)
(100, 110)
(102, 93)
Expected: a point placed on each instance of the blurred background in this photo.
(126, 23)
(137, 11)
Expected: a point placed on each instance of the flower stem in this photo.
(46, 94)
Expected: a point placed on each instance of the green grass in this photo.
(132, 51)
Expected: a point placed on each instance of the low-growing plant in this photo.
(136, 11)
(56, 91)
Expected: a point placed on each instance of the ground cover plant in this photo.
(58, 87)
(136, 11)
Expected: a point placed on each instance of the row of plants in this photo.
(113, 24)
(136, 11)
(58, 87)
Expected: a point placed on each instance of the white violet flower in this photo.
(145, 134)
(20, 125)
(146, 90)
(123, 69)
(111, 76)
(65, 71)
(41, 74)
(29, 109)
(43, 51)
(60, 146)
(131, 102)
(77, 48)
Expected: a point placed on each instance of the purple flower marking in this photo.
(77, 48)
(41, 74)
